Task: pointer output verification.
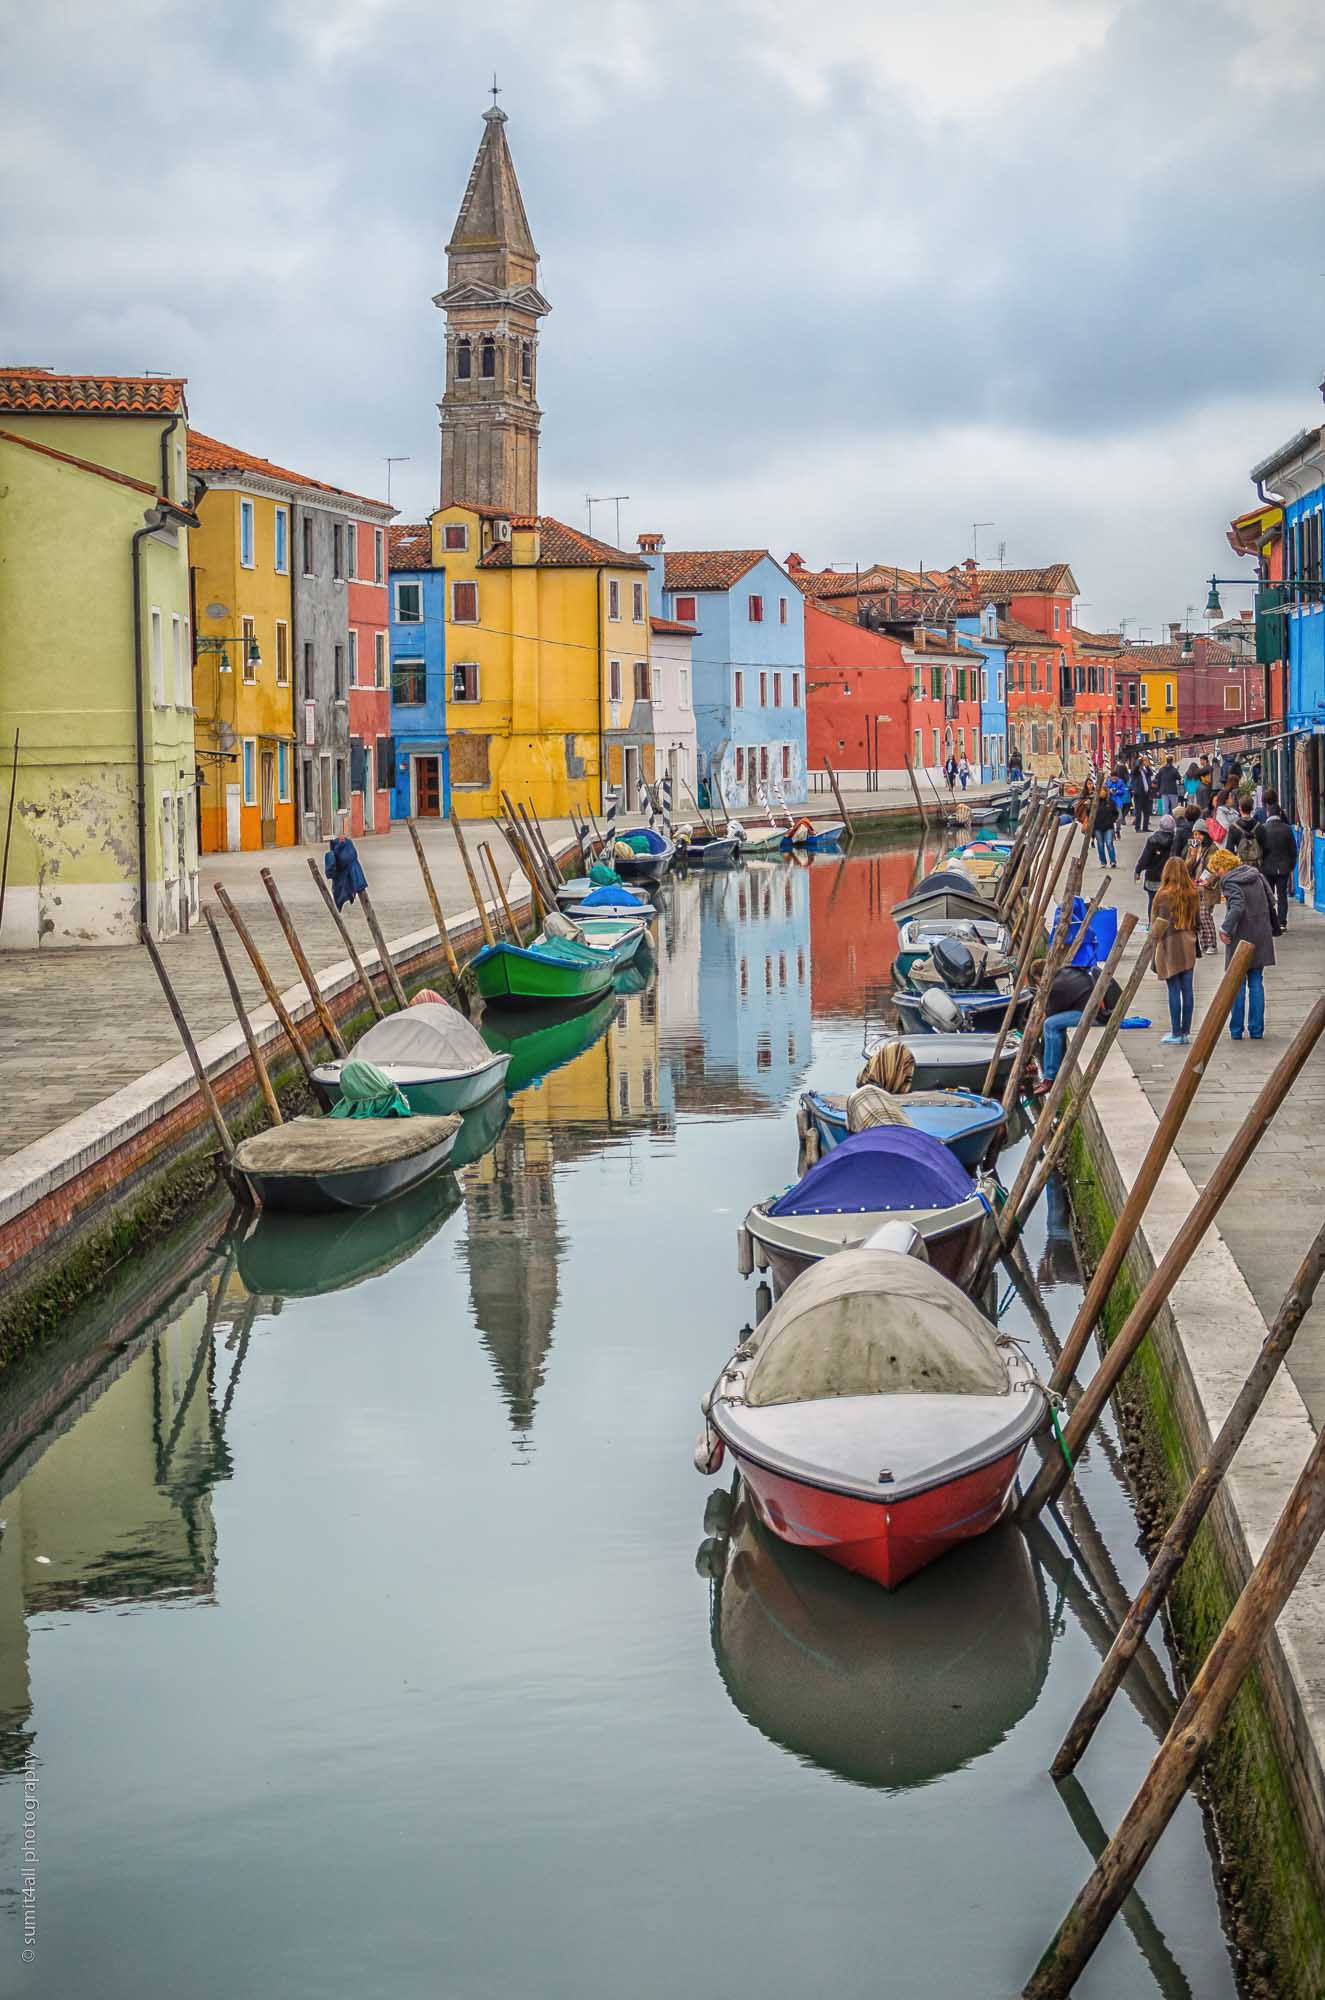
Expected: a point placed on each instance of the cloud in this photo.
(841, 279)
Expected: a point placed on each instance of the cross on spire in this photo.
(495, 91)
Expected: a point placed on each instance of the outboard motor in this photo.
(942, 1012)
(955, 963)
(903, 1238)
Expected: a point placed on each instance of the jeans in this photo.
(1056, 1029)
(1180, 1002)
(1279, 886)
(1104, 847)
(1141, 815)
(1249, 998)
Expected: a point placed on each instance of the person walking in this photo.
(1014, 765)
(1168, 784)
(1152, 858)
(1248, 917)
(1185, 823)
(1141, 791)
(1244, 835)
(1191, 779)
(1178, 903)
(964, 771)
(1278, 855)
(950, 772)
(1106, 820)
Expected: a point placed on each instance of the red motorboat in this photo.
(875, 1414)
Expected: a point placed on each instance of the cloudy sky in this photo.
(842, 279)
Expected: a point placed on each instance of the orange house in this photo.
(856, 694)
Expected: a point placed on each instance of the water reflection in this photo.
(753, 987)
(883, 1688)
(303, 1256)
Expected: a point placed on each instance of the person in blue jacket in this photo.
(342, 865)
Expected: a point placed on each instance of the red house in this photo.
(856, 693)
(372, 752)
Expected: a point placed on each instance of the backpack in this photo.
(1248, 848)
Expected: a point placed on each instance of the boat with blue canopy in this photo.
(972, 1127)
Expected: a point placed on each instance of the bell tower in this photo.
(489, 408)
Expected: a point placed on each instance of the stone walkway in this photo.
(81, 1024)
(1276, 1208)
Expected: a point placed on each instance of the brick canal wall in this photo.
(1267, 1773)
(76, 1204)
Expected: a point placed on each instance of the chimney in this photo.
(1175, 634)
(919, 636)
(970, 565)
(649, 545)
(793, 563)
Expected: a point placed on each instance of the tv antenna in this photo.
(975, 537)
(399, 460)
(592, 500)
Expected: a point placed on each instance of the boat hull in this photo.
(316, 1193)
(887, 1541)
(522, 979)
(944, 903)
(820, 841)
(978, 1147)
(706, 853)
(952, 1241)
(644, 867)
(429, 1095)
(983, 1011)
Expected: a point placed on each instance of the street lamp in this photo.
(217, 643)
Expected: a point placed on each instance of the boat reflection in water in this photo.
(892, 1689)
(562, 1034)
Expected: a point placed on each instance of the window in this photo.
(282, 654)
(613, 598)
(409, 683)
(351, 549)
(383, 752)
(158, 661)
(740, 766)
(684, 679)
(526, 361)
(1057, 619)
(657, 684)
(1168, 694)
(179, 654)
(685, 609)
(917, 752)
(1131, 694)
(464, 361)
(1035, 674)
(756, 610)
(786, 760)
(936, 759)
(763, 690)
(281, 555)
(337, 551)
(250, 771)
(464, 604)
(342, 785)
(379, 659)
(777, 690)
(782, 611)
(637, 603)
(308, 546)
(1067, 617)
(1120, 694)
(464, 680)
(283, 773)
(379, 555)
(1145, 694)
(338, 671)
(795, 690)
(998, 683)
(614, 680)
(306, 782)
(936, 683)
(763, 760)
(247, 554)
(409, 604)
(354, 657)
(455, 535)
(308, 669)
(961, 683)
(641, 680)
(488, 360)
(740, 689)
(246, 647)
(1233, 696)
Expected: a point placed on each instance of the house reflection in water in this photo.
(753, 989)
(113, 1504)
(852, 929)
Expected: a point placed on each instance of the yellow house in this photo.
(95, 646)
(1156, 669)
(244, 670)
(547, 653)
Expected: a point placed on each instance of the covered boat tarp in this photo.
(873, 1323)
(889, 1167)
(641, 840)
(429, 1036)
(333, 1146)
(604, 877)
(952, 877)
(612, 895)
(368, 1092)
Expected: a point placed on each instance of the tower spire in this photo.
(489, 409)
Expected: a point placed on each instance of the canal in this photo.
(352, 1635)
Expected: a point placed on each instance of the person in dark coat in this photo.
(1068, 998)
(1167, 783)
(1244, 835)
(1141, 789)
(1184, 825)
(341, 862)
(1278, 855)
(1150, 861)
(1106, 820)
(1014, 763)
(1248, 917)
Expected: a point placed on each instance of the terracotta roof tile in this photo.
(409, 545)
(36, 391)
(1097, 642)
(997, 586)
(1025, 637)
(83, 464)
(672, 625)
(708, 569)
(561, 547)
(1143, 657)
(207, 454)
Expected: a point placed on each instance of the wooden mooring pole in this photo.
(241, 1011)
(1200, 1494)
(1028, 943)
(190, 1046)
(1056, 1470)
(320, 1007)
(345, 938)
(1063, 946)
(388, 964)
(1291, 1545)
(494, 875)
(489, 935)
(268, 984)
(915, 793)
(841, 802)
(438, 914)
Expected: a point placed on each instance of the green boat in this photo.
(552, 968)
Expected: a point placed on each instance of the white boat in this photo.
(434, 1056)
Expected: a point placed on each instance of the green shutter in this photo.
(1270, 635)
(936, 683)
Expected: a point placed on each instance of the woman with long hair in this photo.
(1177, 902)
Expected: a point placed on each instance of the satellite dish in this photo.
(225, 736)
(218, 611)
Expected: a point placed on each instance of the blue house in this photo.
(422, 788)
(1295, 475)
(977, 633)
(748, 663)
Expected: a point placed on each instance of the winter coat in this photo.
(1168, 784)
(341, 862)
(1072, 989)
(1278, 846)
(1157, 850)
(1244, 840)
(1205, 796)
(1247, 914)
(1106, 814)
(1119, 793)
(1140, 786)
(1176, 950)
(1182, 834)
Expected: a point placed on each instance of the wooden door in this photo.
(427, 787)
(268, 798)
(469, 761)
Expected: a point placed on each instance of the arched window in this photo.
(526, 361)
(463, 361)
(488, 361)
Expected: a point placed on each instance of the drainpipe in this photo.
(602, 753)
(152, 520)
